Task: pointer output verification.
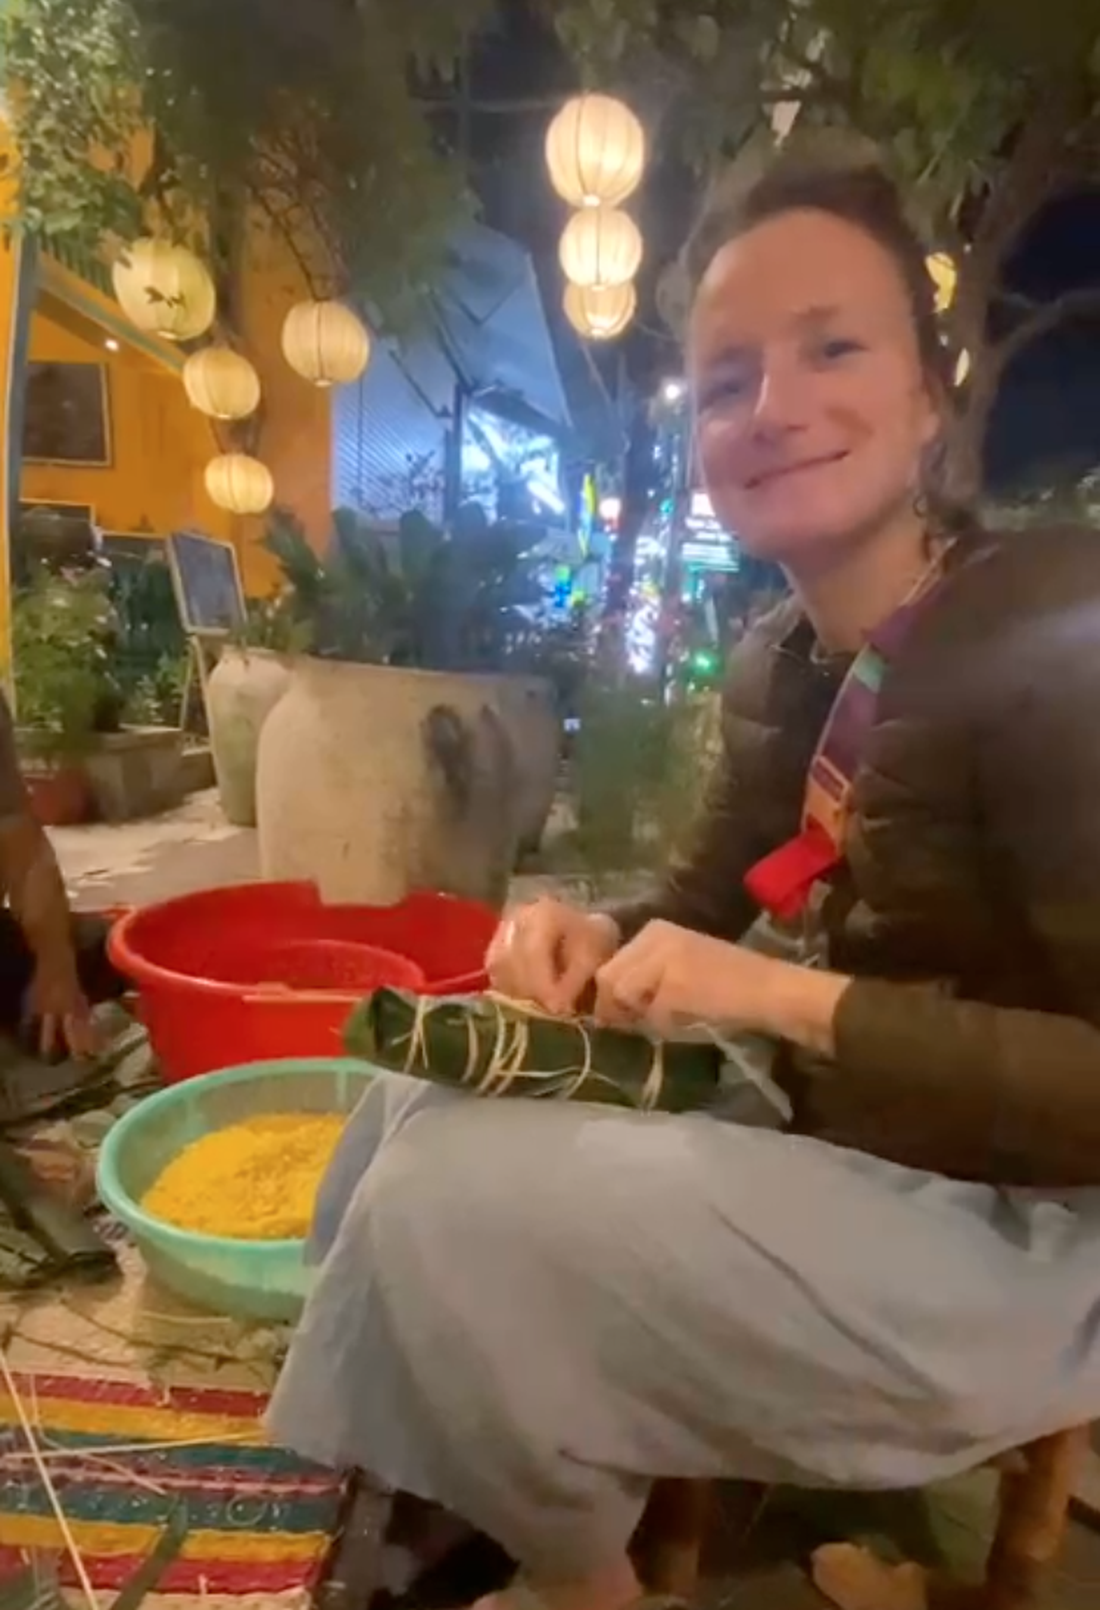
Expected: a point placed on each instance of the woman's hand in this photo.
(549, 952)
(671, 979)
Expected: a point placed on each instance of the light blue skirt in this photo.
(527, 1311)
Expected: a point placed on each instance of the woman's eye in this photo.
(838, 347)
(731, 388)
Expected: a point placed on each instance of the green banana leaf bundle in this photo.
(498, 1047)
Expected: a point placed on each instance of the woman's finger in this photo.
(538, 956)
(626, 986)
(582, 959)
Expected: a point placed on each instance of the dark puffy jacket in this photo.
(968, 910)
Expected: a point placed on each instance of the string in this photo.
(47, 1482)
(510, 1029)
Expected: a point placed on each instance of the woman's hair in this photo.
(844, 182)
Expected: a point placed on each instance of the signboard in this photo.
(208, 585)
(703, 542)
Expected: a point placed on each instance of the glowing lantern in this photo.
(165, 290)
(326, 343)
(240, 484)
(945, 277)
(600, 313)
(962, 368)
(219, 382)
(595, 151)
(601, 247)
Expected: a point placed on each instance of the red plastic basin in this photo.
(261, 971)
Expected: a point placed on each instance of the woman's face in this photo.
(812, 407)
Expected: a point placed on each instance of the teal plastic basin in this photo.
(249, 1279)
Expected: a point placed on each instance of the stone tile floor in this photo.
(193, 848)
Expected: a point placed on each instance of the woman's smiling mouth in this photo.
(782, 471)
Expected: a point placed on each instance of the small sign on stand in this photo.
(207, 582)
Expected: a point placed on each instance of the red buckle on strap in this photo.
(781, 883)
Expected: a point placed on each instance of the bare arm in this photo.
(31, 879)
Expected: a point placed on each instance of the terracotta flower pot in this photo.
(60, 795)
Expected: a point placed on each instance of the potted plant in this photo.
(91, 739)
(65, 688)
(394, 759)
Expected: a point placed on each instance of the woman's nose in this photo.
(781, 399)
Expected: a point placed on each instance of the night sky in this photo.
(1048, 413)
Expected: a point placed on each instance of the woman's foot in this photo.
(852, 1578)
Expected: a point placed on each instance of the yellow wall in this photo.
(295, 419)
(158, 443)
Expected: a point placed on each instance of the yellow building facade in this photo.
(150, 480)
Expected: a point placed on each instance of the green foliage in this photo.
(638, 768)
(942, 84)
(149, 650)
(155, 699)
(1054, 499)
(308, 112)
(417, 596)
(63, 631)
(270, 626)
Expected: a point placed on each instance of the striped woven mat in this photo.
(146, 1417)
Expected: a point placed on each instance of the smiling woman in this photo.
(891, 905)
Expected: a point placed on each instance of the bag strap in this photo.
(782, 882)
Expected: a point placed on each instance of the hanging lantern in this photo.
(165, 290)
(219, 382)
(240, 484)
(601, 247)
(595, 151)
(326, 343)
(945, 277)
(600, 313)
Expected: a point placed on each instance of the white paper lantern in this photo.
(601, 247)
(945, 277)
(595, 151)
(221, 383)
(326, 343)
(165, 290)
(240, 484)
(600, 313)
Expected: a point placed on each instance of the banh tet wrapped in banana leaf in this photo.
(499, 1047)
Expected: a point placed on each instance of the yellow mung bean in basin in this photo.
(252, 1181)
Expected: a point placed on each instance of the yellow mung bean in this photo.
(253, 1181)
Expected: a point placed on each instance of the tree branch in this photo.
(1077, 304)
(288, 236)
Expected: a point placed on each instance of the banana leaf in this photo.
(498, 1047)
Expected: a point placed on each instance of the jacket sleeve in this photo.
(1023, 1085)
(746, 810)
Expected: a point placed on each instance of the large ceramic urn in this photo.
(242, 690)
(374, 781)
